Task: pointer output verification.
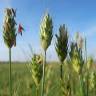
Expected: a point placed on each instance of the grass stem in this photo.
(43, 77)
(10, 78)
(37, 90)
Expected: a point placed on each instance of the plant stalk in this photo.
(61, 72)
(82, 83)
(87, 94)
(10, 78)
(37, 90)
(61, 78)
(43, 77)
(70, 91)
(87, 83)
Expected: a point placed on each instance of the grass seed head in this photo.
(62, 43)
(79, 40)
(9, 28)
(91, 80)
(46, 31)
(36, 63)
(89, 62)
(76, 57)
(76, 35)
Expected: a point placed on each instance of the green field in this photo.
(21, 79)
(23, 84)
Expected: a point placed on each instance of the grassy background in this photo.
(23, 84)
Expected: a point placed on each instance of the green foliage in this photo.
(62, 43)
(46, 31)
(9, 28)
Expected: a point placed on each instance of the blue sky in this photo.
(78, 15)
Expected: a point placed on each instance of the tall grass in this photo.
(61, 49)
(46, 29)
(36, 70)
(9, 35)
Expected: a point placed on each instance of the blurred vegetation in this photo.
(23, 84)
